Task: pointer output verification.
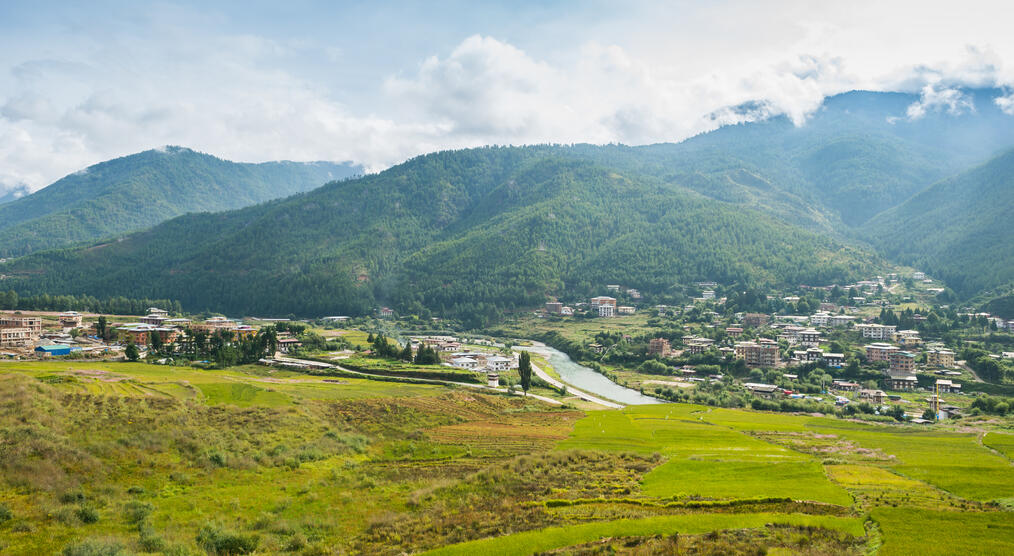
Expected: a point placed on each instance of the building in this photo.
(809, 337)
(918, 275)
(601, 300)
(838, 321)
(55, 350)
(940, 358)
(70, 319)
(820, 319)
(880, 332)
(708, 294)
(828, 307)
(762, 353)
(567, 312)
(880, 352)
(755, 319)
(873, 396)
(607, 310)
(634, 294)
(154, 319)
(836, 360)
(809, 355)
(696, 345)
(554, 307)
(845, 386)
(625, 310)
(465, 363)
(901, 382)
(386, 312)
(907, 338)
(493, 380)
(659, 346)
(734, 331)
(902, 362)
(32, 323)
(947, 387)
(498, 364)
(15, 337)
(762, 390)
(613, 287)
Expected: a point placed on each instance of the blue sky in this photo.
(377, 83)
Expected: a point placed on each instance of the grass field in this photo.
(179, 460)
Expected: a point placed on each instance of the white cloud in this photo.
(951, 101)
(645, 74)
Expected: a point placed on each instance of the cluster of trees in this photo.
(11, 301)
(222, 347)
(382, 347)
(992, 405)
(988, 368)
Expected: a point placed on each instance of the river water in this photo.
(583, 378)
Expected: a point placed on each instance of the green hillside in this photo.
(138, 191)
(469, 232)
(957, 230)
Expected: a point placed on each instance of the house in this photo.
(55, 350)
(762, 390)
(554, 307)
(625, 310)
(567, 312)
(880, 332)
(597, 348)
(880, 352)
(845, 386)
(901, 382)
(465, 363)
(386, 312)
(698, 345)
(754, 320)
(734, 331)
(15, 337)
(940, 357)
(634, 294)
(708, 294)
(809, 337)
(838, 321)
(498, 364)
(659, 346)
(70, 319)
(947, 387)
(907, 338)
(918, 275)
(154, 318)
(158, 312)
(820, 319)
(285, 345)
(613, 287)
(902, 362)
(836, 360)
(762, 353)
(873, 396)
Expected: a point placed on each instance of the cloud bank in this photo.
(252, 96)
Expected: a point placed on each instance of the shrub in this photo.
(135, 512)
(95, 547)
(5, 514)
(218, 541)
(150, 542)
(87, 514)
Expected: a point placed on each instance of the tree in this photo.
(406, 354)
(132, 352)
(101, 327)
(525, 370)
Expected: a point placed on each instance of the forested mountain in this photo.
(14, 194)
(478, 231)
(858, 155)
(138, 191)
(958, 230)
(462, 233)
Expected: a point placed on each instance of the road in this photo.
(429, 380)
(574, 391)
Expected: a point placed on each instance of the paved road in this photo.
(574, 391)
(429, 380)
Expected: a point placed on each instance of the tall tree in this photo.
(132, 352)
(525, 370)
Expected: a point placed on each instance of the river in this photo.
(583, 378)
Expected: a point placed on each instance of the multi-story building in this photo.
(901, 382)
(15, 337)
(940, 357)
(554, 307)
(820, 319)
(32, 323)
(902, 362)
(880, 352)
(734, 331)
(607, 310)
(838, 321)
(808, 337)
(698, 345)
(879, 332)
(70, 319)
(907, 338)
(834, 359)
(597, 302)
(659, 346)
(762, 353)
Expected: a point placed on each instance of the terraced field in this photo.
(104, 456)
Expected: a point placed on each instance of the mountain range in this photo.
(860, 187)
(139, 191)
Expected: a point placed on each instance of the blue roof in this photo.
(56, 348)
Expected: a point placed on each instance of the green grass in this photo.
(725, 480)
(557, 537)
(907, 531)
(1003, 443)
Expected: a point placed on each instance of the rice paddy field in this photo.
(130, 458)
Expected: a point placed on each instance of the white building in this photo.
(879, 332)
(497, 363)
(607, 310)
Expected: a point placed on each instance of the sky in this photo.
(376, 83)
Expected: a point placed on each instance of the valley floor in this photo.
(123, 458)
